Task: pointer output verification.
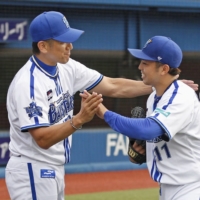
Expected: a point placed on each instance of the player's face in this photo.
(149, 72)
(59, 52)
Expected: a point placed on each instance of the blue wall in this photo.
(181, 28)
(158, 3)
(116, 28)
(92, 150)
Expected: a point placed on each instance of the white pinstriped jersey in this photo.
(177, 161)
(36, 99)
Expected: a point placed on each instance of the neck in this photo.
(163, 85)
(45, 60)
(52, 70)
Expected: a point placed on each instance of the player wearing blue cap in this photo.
(171, 128)
(40, 108)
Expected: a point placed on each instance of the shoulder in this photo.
(77, 68)
(72, 63)
(23, 73)
(181, 93)
(182, 89)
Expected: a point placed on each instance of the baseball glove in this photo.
(134, 155)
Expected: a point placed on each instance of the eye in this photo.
(144, 62)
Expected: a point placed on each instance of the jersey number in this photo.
(163, 148)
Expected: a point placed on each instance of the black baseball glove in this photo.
(134, 155)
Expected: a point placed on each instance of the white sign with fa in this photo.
(116, 143)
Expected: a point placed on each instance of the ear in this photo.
(43, 46)
(165, 69)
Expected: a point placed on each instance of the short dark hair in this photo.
(172, 71)
(35, 48)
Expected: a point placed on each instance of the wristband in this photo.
(71, 122)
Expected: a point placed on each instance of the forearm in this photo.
(130, 88)
(45, 137)
(122, 88)
(141, 128)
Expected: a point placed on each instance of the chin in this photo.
(64, 61)
(146, 82)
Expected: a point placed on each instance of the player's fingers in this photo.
(91, 107)
(139, 148)
(88, 112)
(195, 87)
(84, 94)
(187, 81)
(95, 103)
(191, 83)
(90, 96)
(93, 100)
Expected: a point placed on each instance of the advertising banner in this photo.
(13, 30)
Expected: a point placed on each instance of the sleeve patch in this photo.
(33, 110)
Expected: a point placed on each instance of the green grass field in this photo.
(141, 194)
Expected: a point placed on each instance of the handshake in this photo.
(91, 104)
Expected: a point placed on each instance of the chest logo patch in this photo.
(162, 112)
(49, 94)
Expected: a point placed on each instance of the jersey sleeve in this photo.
(31, 104)
(173, 113)
(138, 128)
(85, 78)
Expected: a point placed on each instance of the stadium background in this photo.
(111, 26)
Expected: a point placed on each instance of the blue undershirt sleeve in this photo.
(137, 128)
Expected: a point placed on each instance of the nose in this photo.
(69, 45)
(140, 67)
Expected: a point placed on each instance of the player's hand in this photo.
(101, 108)
(89, 106)
(101, 111)
(84, 95)
(191, 84)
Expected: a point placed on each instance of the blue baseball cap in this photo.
(160, 49)
(53, 25)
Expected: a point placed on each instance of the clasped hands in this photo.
(100, 109)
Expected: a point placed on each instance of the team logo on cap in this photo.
(66, 22)
(148, 42)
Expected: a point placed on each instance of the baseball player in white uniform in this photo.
(40, 109)
(172, 128)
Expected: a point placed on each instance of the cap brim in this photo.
(140, 54)
(70, 36)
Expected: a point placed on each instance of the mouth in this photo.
(67, 54)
